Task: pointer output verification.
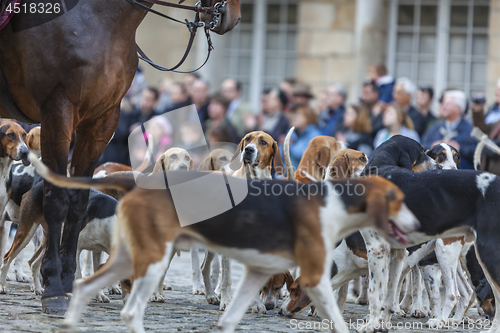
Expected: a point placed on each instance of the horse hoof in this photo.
(55, 306)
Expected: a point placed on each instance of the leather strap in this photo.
(9, 105)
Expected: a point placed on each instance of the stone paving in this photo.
(20, 311)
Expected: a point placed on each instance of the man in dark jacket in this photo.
(330, 120)
(403, 92)
(455, 129)
(274, 121)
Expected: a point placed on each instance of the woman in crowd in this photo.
(217, 119)
(396, 121)
(356, 129)
(305, 121)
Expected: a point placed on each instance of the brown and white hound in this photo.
(300, 229)
(108, 168)
(348, 163)
(217, 159)
(255, 156)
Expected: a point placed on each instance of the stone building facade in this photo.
(434, 42)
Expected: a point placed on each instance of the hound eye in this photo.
(362, 159)
(262, 142)
(173, 156)
(247, 139)
(12, 135)
(223, 158)
(24, 136)
(187, 158)
(277, 288)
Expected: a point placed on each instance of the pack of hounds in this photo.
(419, 241)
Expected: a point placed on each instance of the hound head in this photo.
(216, 160)
(348, 163)
(271, 291)
(445, 155)
(258, 149)
(297, 300)
(12, 139)
(174, 159)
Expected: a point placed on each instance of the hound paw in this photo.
(212, 299)
(258, 308)
(198, 290)
(418, 313)
(398, 312)
(157, 298)
(101, 298)
(37, 291)
(366, 328)
(167, 286)
(362, 301)
(223, 305)
(313, 313)
(20, 277)
(8, 278)
(114, 290)
(435, 323)
(3, 289)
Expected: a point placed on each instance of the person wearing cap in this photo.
(454, 129)
(489, 123)
(425, 94)
(274, 121)
(302, 94)
(404, 90)
(330, 119)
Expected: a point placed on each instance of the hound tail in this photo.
(119, 183)
(286, 153)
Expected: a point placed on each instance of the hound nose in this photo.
(249, 150)
(24, 151)
(439, 167)
(183, 167)
(269, 306)
(280, 312)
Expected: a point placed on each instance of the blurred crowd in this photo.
(387, 106)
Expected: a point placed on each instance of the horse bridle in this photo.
(217, 10)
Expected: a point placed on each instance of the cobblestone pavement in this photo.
(20, 311)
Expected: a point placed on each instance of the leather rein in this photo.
(217, 10)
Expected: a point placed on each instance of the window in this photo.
(443, 43)
(279, 31)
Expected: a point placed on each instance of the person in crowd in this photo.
(189, 79)
(425, 94)
(396, 121)
(218, 121)
(287, 86)
(404, 90)
(164, 103)
(159, 132)
(357, 129)
(273, 120)
(305, 121)
(370, 100)
(146, 111)
(139, 83)
(489, 123)
(200, 98)
(117, 148)
(178, 96)
(454, 129)
(232, 90)
(331, 117)
(301, 94)
(385, 82)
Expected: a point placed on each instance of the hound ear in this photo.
(288, 280)
(323, 157)
(278, 163)
(376, 207)
(159, 165)
(235, 163)
(191, 165)
(206, 164)
(405, 161)
(339, 168)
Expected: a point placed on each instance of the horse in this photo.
(69, 72)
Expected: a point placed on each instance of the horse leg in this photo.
(91, 139)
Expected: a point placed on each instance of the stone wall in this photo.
(494, 49)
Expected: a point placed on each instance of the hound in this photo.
(348, 163)
(267, 233)
(448, 203)
(109, 167)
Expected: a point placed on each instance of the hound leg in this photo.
(432, 279)
(35, 263)
(249, 286)
(391, 306)
(225, 283)
(342, 296)
(378, 251)
(158, 295)
(417, 306)
(210, 295)
(22, 238)
(196, 271)
(119, 266)
(406, 302)
(363, 296)
(143, 287)
(323, 299)
(466, 293)
(215, 269)
(18, 268)
(447, 257)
